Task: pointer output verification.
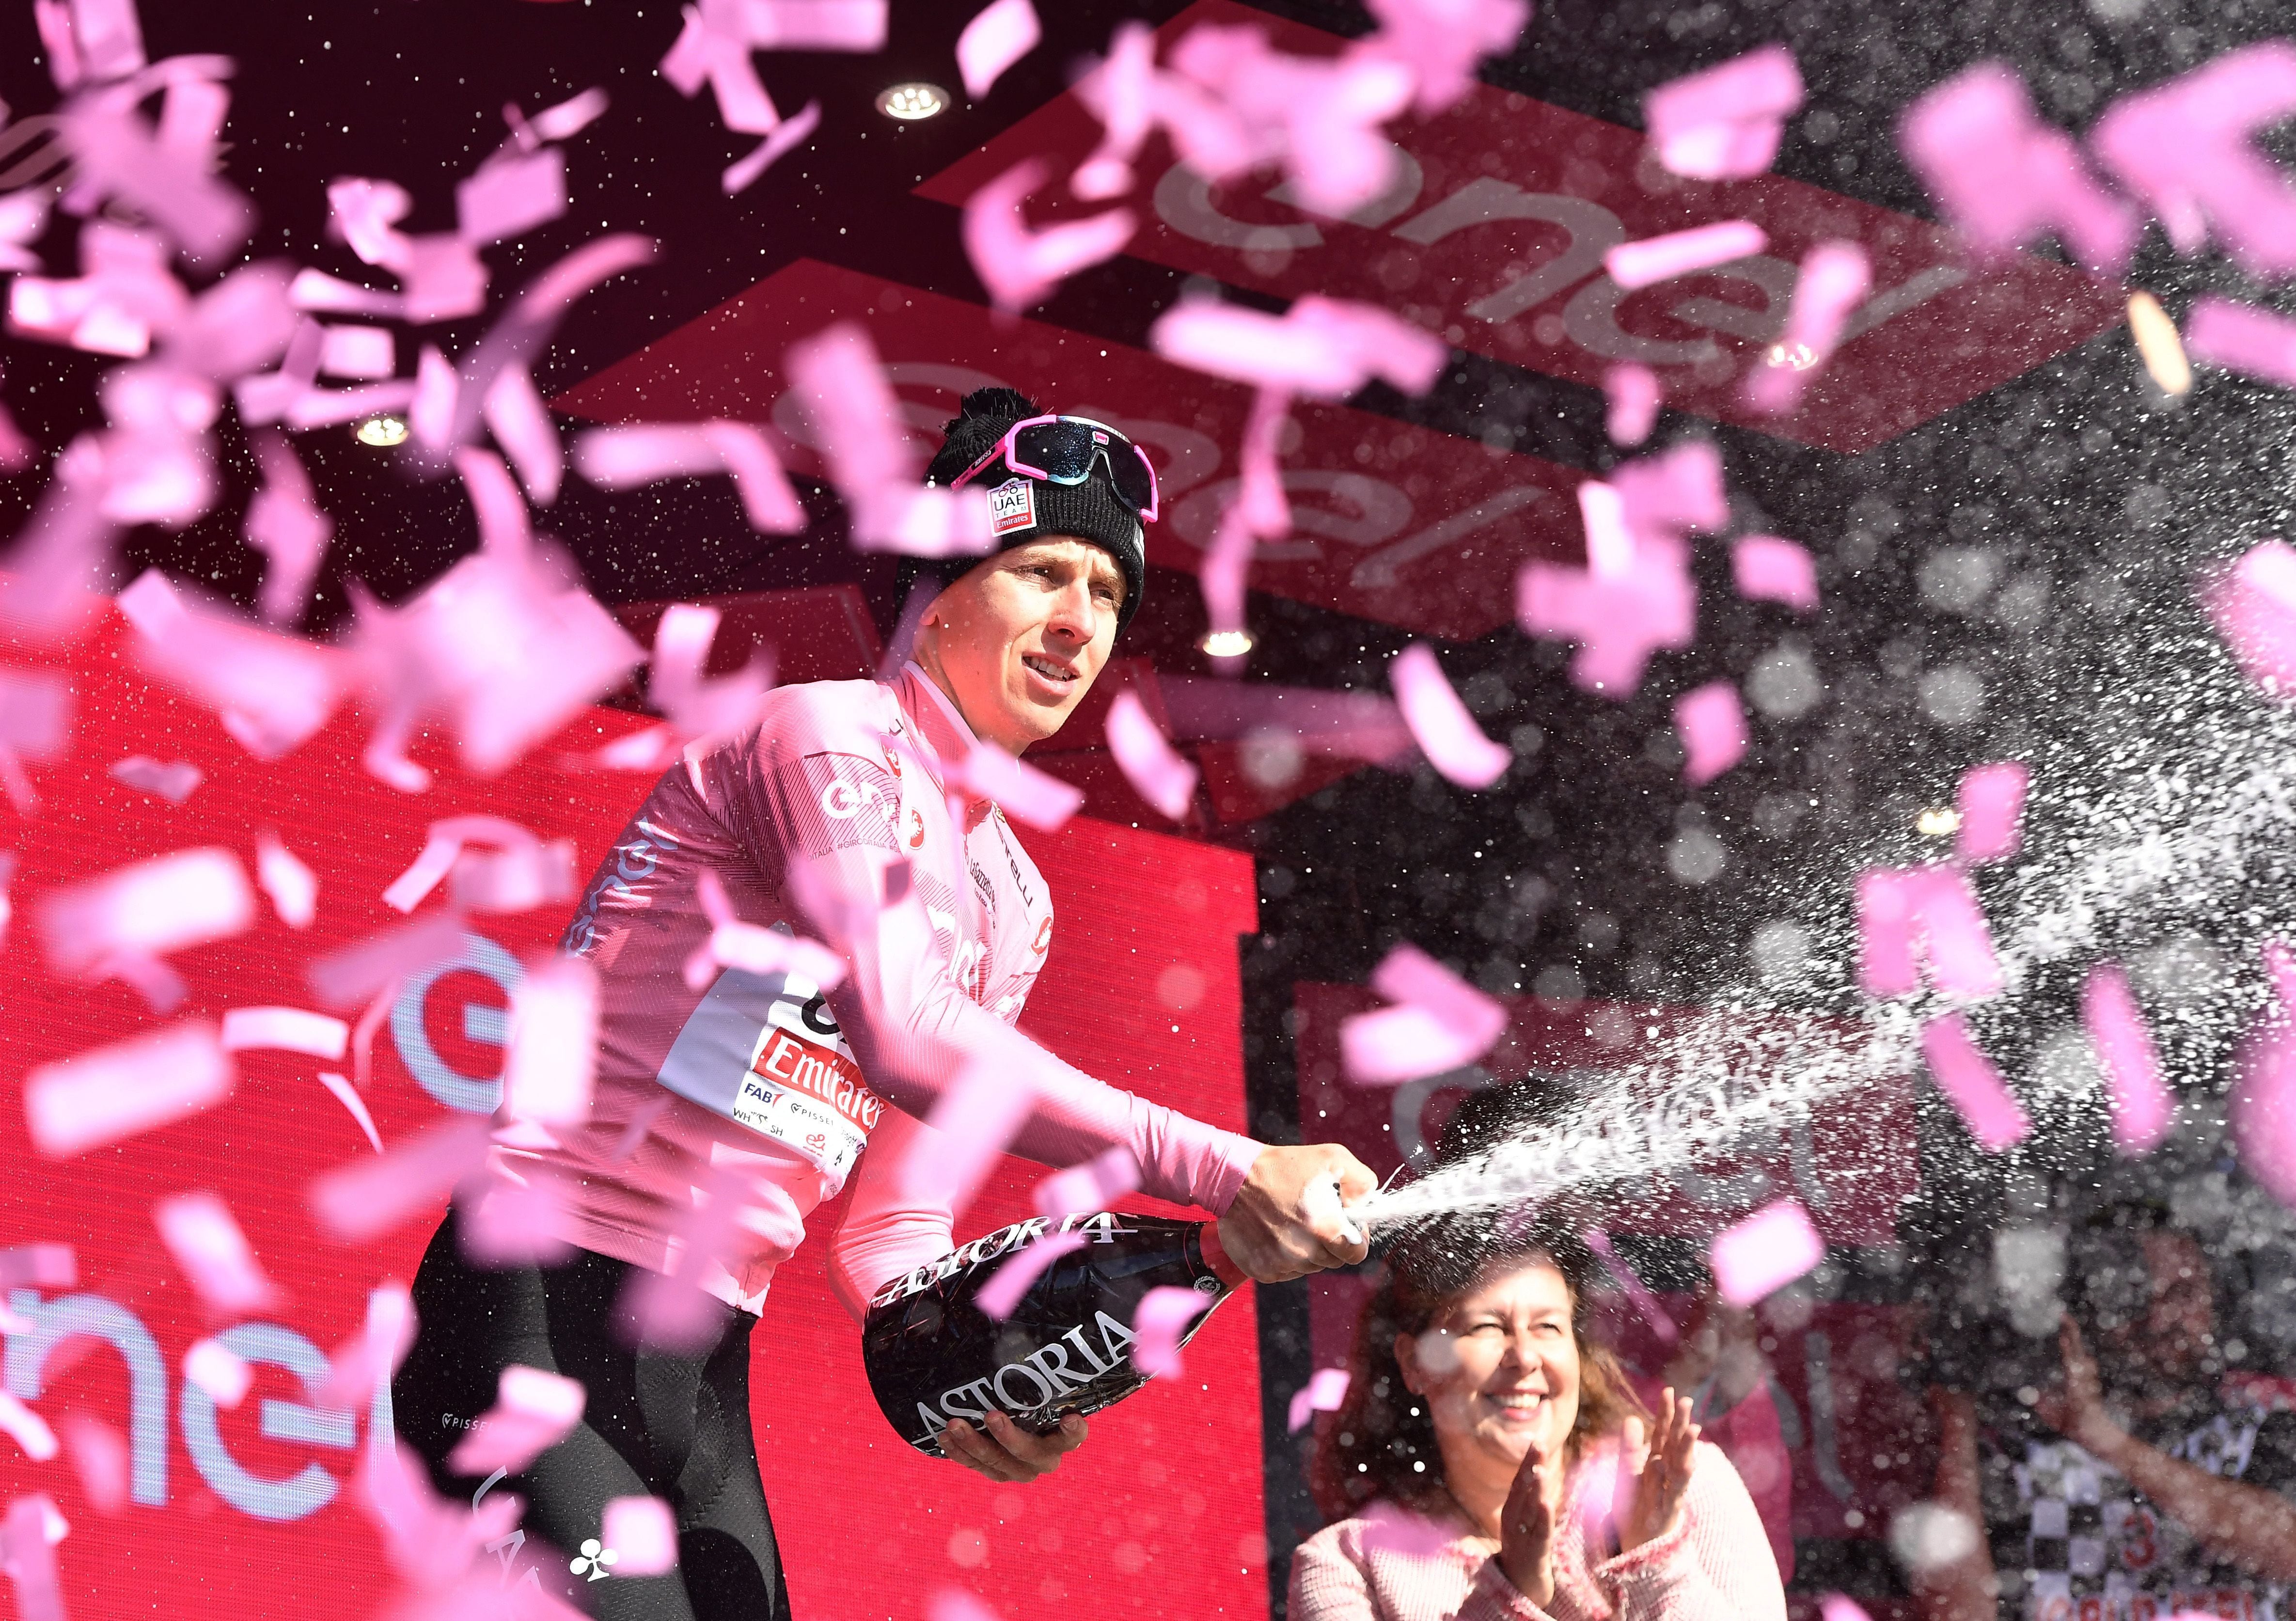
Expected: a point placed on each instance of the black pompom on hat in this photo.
(1034, 509)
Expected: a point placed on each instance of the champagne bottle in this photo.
(933, 1356)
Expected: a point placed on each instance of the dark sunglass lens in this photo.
(1061, 449)
(1131, 478)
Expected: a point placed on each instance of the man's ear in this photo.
(1407, 1362)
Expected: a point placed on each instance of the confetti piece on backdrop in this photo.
(2158, 344)
(1724, 123)
(1906, 916)
(1661, 258)
(292, 889)
(1633, 395)
(1972, 1084)
(1158, 773)
(1991, 801)
(344, 1094)
(2142, 1104)
(1834, 280)
(1323, 1392)
(1712, 724)
(174, 780)
(26, 1428)
(1446, 733)
(999, 36)
(361, 1200)
(110, 1093)
(1020, 265)
(2241, 338)
(219, 1371)
(1759, 1255)
(201, 1233)
(1770, 569)
(98, 1457)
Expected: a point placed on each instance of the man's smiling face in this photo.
(1019, 640)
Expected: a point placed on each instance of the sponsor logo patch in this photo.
(1012, 505)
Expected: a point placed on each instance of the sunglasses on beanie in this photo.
(1063, 449)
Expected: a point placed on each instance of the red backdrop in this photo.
(1143, 990)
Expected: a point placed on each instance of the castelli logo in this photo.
(1044, 937)
(916, 827)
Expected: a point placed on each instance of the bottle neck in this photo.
(1222, 1267)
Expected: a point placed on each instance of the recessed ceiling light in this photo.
(385, 429)
(1937, 822)
(1227, 643)
(915, 99)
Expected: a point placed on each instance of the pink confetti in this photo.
(755, 950)
(1441, 41)
(1446, 733)
(2188, 149)
(1022, 1268)
(971, 1122)
(1713, 727)
(1724, 123)
(1629, 1281)
(510, 195)
(618, 458)
(1991, 801)
(29, 1536)
(370, 1357)
(520, 423)
(2263, 1105)
(1906, 916)
(1771, 569)
(432, 1541)
(1836, 278)
(27, 1428)
(361, 1200)
(1000, 35)
(954, 1604)
(1323, 1392)
(553, 1035)
(98, 1457)
(1759, 1255)
(700, 707)
(163, 904)
(2004, 177)
(1092, 1186)
(519, 1219)
(108, 1093)
(1020, 267)
(1441, 1022)
(1119, 92)
(284, 1030)
(851, 407)
(174, 780)
(214, 1255)
(219, 1371)
(1033, 797)
(2254, 604)
(119, 157)
(271, 692)
(1232, 103)
(293, 891)
(1158, 773)
(1320, 348)
(1661, 258)
(1161, 1320)
(643, 1532)
(670, 1308)
(285, 524)
(1619, 619)
(346, 977)
(41, 1266)
(340, 1086)
(2241, 338)
(362, 352)
(786, 137)
(2141, 1103)
(1837, 1607)
(1972, 1084)
(533, 1411)
(1633, 394)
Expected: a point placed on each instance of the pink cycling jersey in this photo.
(831, 819)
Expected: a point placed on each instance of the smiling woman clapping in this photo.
(1495, 1466)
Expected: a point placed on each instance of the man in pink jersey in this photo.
(723, 1114)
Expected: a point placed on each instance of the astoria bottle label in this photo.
(933, 1356)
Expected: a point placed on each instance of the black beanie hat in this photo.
(1035, 508)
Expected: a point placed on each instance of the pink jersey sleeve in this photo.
(909, 1020)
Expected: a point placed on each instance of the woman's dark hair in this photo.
(1381, 1444)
